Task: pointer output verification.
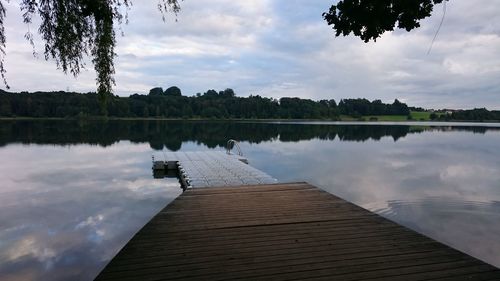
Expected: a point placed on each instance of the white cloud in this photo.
(276, 48)
(29, 246)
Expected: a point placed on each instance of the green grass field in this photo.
(418, 115)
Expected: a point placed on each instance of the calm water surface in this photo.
(73, 193)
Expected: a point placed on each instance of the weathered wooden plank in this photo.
(360, 232)
(275, 246)
(283, 232)
(338, 255)
(253, 254)
(281, 266)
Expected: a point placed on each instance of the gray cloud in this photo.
(284, 48)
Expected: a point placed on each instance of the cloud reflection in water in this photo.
(69, 202)
(66, 211)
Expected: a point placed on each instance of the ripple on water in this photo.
(462, 224)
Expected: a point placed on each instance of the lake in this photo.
(73, 193)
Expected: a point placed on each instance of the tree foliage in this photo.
(476, 114)
(74, 29)
(171, 104)
(2, 43)
(173, 91)
(369, 19)
(361, 107)
(210, 104)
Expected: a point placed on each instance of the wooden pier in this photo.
(289, 231)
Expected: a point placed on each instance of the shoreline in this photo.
(347, 121)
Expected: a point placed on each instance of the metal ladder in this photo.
(232, 144)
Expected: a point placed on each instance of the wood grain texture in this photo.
(283, 232)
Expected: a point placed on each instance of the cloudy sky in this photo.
(279, 48)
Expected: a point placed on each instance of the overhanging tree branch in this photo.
(75, 29)
(369, 19)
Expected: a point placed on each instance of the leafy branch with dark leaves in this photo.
(369, 19)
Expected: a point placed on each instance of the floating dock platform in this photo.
(210, 168)
(291, 231)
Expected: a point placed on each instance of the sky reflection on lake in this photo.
(71, 195)
(66, 211)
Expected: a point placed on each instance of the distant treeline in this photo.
(477, 114)
(172, 104)
(211, 104)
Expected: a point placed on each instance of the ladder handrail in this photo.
(234, 143)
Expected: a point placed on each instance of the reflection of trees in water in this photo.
(171, 134)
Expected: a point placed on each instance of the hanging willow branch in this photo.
(2, 45)
(75, 29)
